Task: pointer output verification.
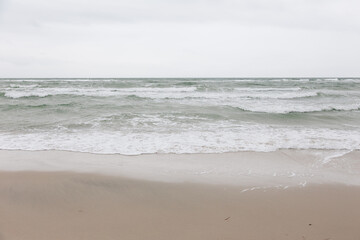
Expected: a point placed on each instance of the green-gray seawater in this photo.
(135, 116)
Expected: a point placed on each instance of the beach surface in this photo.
(277, 169)
(247, 195)
(66, 205)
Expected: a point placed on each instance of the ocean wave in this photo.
(286, 109)
(328, 79)
(50, 80)
(257, 89)
(8, 107)
(262, 101)
(219, 89)
(280, 95)
(157, 93)
(351, 80)
(149, 89)
(220, 139)
(95, 92)
(186, 84)
(23, 86)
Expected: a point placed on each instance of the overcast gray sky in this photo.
(179, 38)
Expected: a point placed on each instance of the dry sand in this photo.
(65, 205)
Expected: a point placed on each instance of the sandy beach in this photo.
(68, 195)
(64, 205)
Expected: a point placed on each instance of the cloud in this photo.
(297, 13)
(179, 38)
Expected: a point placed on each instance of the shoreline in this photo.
(69, 205)
(282, 168)
(184, 153)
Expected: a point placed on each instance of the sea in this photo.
(179, 115)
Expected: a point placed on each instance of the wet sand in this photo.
(68, 205)
(252, 169)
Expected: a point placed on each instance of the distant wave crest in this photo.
(174, 93)
(297, 109)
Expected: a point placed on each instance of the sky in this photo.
(179, 38)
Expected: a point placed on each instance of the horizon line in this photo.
(326, 77)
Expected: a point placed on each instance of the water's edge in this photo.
(282, 168)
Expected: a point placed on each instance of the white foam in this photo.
(278, 94)
(252, 89)
(351, 80)
(279, 105)
(287, 107)
(228, 97)
(101, 92)
(217, 138)
(327, 159)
